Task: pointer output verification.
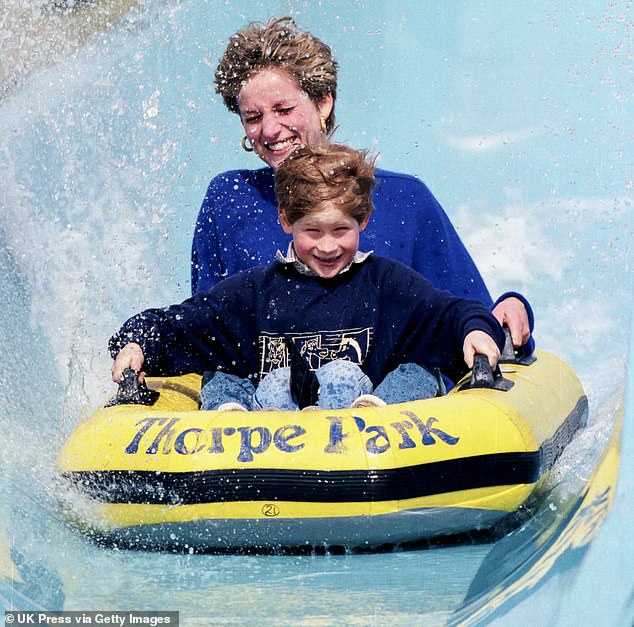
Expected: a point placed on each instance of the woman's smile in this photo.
(278, 116)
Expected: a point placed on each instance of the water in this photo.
(517, 116)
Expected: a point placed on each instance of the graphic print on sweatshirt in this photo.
(317, 347)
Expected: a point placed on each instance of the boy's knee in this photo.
(274, 390)
(408, 382)
(275, 378)
(411, 369)
(340, 368)
(341, 374)
(221, 387)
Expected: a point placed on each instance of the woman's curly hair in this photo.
(281, 44)
(325, 173)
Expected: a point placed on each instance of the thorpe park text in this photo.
(156, 435)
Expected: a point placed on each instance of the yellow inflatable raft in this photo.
(174, 477)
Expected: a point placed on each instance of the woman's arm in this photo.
(412, 227)
(514, 311)
(441, 257)
(205, 260)
(237, 227)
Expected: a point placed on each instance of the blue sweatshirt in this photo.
(378, 314)
(238, 229)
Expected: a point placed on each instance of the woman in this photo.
(282, 82)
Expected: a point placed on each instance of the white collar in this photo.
(291, 257)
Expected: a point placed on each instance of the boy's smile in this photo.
(326, 240)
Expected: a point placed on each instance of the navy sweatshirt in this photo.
(378, 314)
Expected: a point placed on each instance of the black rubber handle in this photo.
(512, 355)
(483, 377)
(133, 392)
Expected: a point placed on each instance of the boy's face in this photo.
(326, 241)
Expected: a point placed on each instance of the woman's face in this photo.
(278, 116)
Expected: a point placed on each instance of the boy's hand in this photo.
(480, 342)
(512, 313)
(130, 356)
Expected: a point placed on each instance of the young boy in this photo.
(361, 322)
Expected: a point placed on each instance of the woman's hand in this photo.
(483, 343)
(512, 313)
(130, 356)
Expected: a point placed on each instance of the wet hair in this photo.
(314, 175)
(278, 44)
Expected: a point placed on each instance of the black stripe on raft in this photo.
(551, 449)
(310, 486)
(315, 486)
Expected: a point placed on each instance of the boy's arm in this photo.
(157, 335)
(194, 336)
(437, 328)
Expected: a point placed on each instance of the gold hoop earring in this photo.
(244, 145)
(323, 125)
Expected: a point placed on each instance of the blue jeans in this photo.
(220, 387)
(340, 383)
(409, 382)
